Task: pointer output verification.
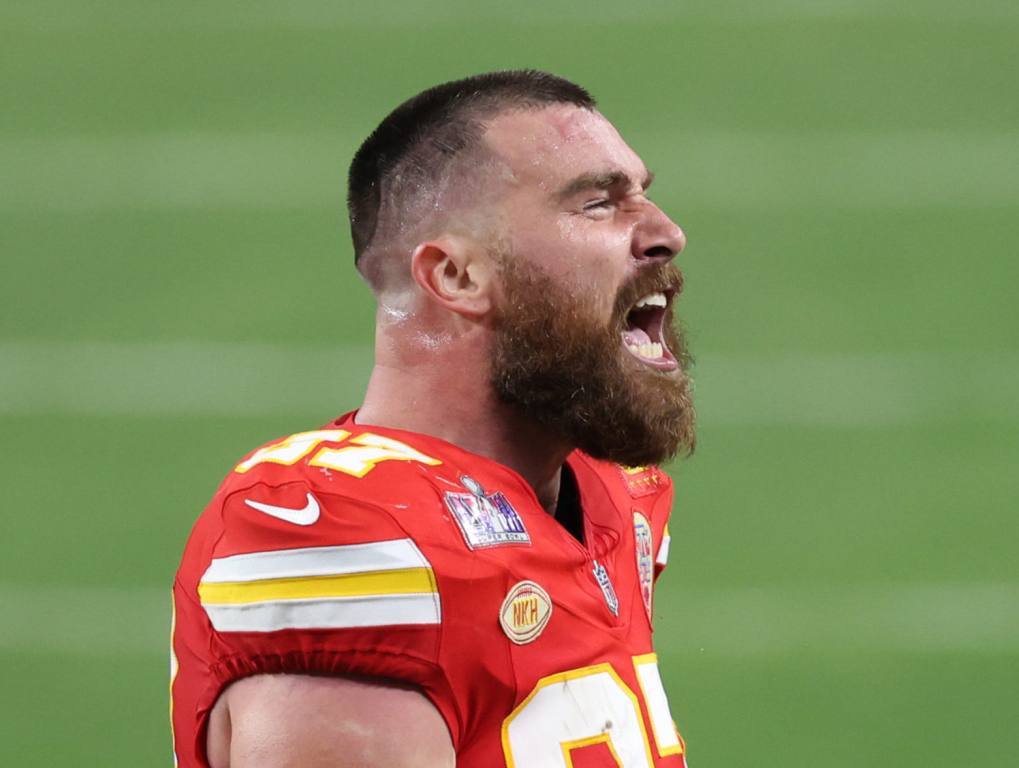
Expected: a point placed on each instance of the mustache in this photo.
(661, 278)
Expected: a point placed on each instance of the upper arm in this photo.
(298, 721)
(285, 575)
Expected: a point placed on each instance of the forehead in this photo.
(548, 147)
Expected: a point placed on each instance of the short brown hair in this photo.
(415, 143)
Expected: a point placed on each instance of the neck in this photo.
(446, 394)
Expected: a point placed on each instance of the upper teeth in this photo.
(653, 300)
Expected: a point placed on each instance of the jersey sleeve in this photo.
(286, 578)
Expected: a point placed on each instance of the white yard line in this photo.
(858, 390)
(981, 617)
(180, 378)
(177, 170)
(806, 171)
(210, 379)
(84, 620)
(57, 15)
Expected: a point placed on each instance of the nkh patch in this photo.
(602, 577)
(485, 519)
(525, 612)
(645, 561)
(643, 481)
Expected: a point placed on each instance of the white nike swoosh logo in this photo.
(308, 515)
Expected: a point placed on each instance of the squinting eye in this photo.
(597, 204)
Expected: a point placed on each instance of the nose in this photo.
(657, 237)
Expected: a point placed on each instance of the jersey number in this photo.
(359, 457)
(588, 706)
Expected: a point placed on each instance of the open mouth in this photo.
(644, 331)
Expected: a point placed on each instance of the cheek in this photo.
(597, 256)
(586, 259)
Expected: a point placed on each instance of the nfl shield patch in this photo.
(601, 575)
(485, 519)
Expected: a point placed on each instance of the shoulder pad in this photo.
(350, 460)
(290, 556)
(643, 481)
(635, 482)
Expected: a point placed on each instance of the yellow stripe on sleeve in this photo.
(394, 582)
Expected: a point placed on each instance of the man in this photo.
(461, 571)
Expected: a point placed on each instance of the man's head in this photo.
(508, 202)
(422, 162)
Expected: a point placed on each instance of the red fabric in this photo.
(467, 665)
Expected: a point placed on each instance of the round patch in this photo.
(525, 612)
(645, 560)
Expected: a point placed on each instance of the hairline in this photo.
(481, 116)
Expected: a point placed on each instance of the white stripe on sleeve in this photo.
(326, 613)
(317, 561)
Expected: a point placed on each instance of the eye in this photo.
(599, 204)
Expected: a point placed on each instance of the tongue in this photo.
(635, 336)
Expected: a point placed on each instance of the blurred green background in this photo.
(176, 287)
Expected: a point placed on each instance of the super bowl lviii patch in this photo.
(525, 612)
(645, 561)
(485, 519)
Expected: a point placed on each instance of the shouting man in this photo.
(460, 572)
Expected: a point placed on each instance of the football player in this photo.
(461, 570)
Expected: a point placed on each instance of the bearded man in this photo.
(461, 570)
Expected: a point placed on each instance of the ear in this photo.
(456, 274)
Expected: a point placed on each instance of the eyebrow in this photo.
(601, 180)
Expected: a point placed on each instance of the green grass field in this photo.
(176, 287)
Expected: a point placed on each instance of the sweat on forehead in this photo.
(558, 142)
(544, 130)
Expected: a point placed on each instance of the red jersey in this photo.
(364, 551)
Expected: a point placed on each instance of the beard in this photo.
(561, 366)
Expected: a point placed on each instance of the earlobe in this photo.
(450, 273)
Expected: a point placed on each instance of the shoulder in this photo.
(345, 466)
(350, 458)
(328, 501)
(314, 558)
(648, 483)
(643, 498)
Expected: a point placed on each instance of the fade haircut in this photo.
(413, 150)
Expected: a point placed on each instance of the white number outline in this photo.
(367, 451)
(667, 738)
(361, 456)
(597, 737)
(292, 449)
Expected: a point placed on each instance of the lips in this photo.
(645, 308)
(644, 335)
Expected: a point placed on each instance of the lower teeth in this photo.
(651, 350)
